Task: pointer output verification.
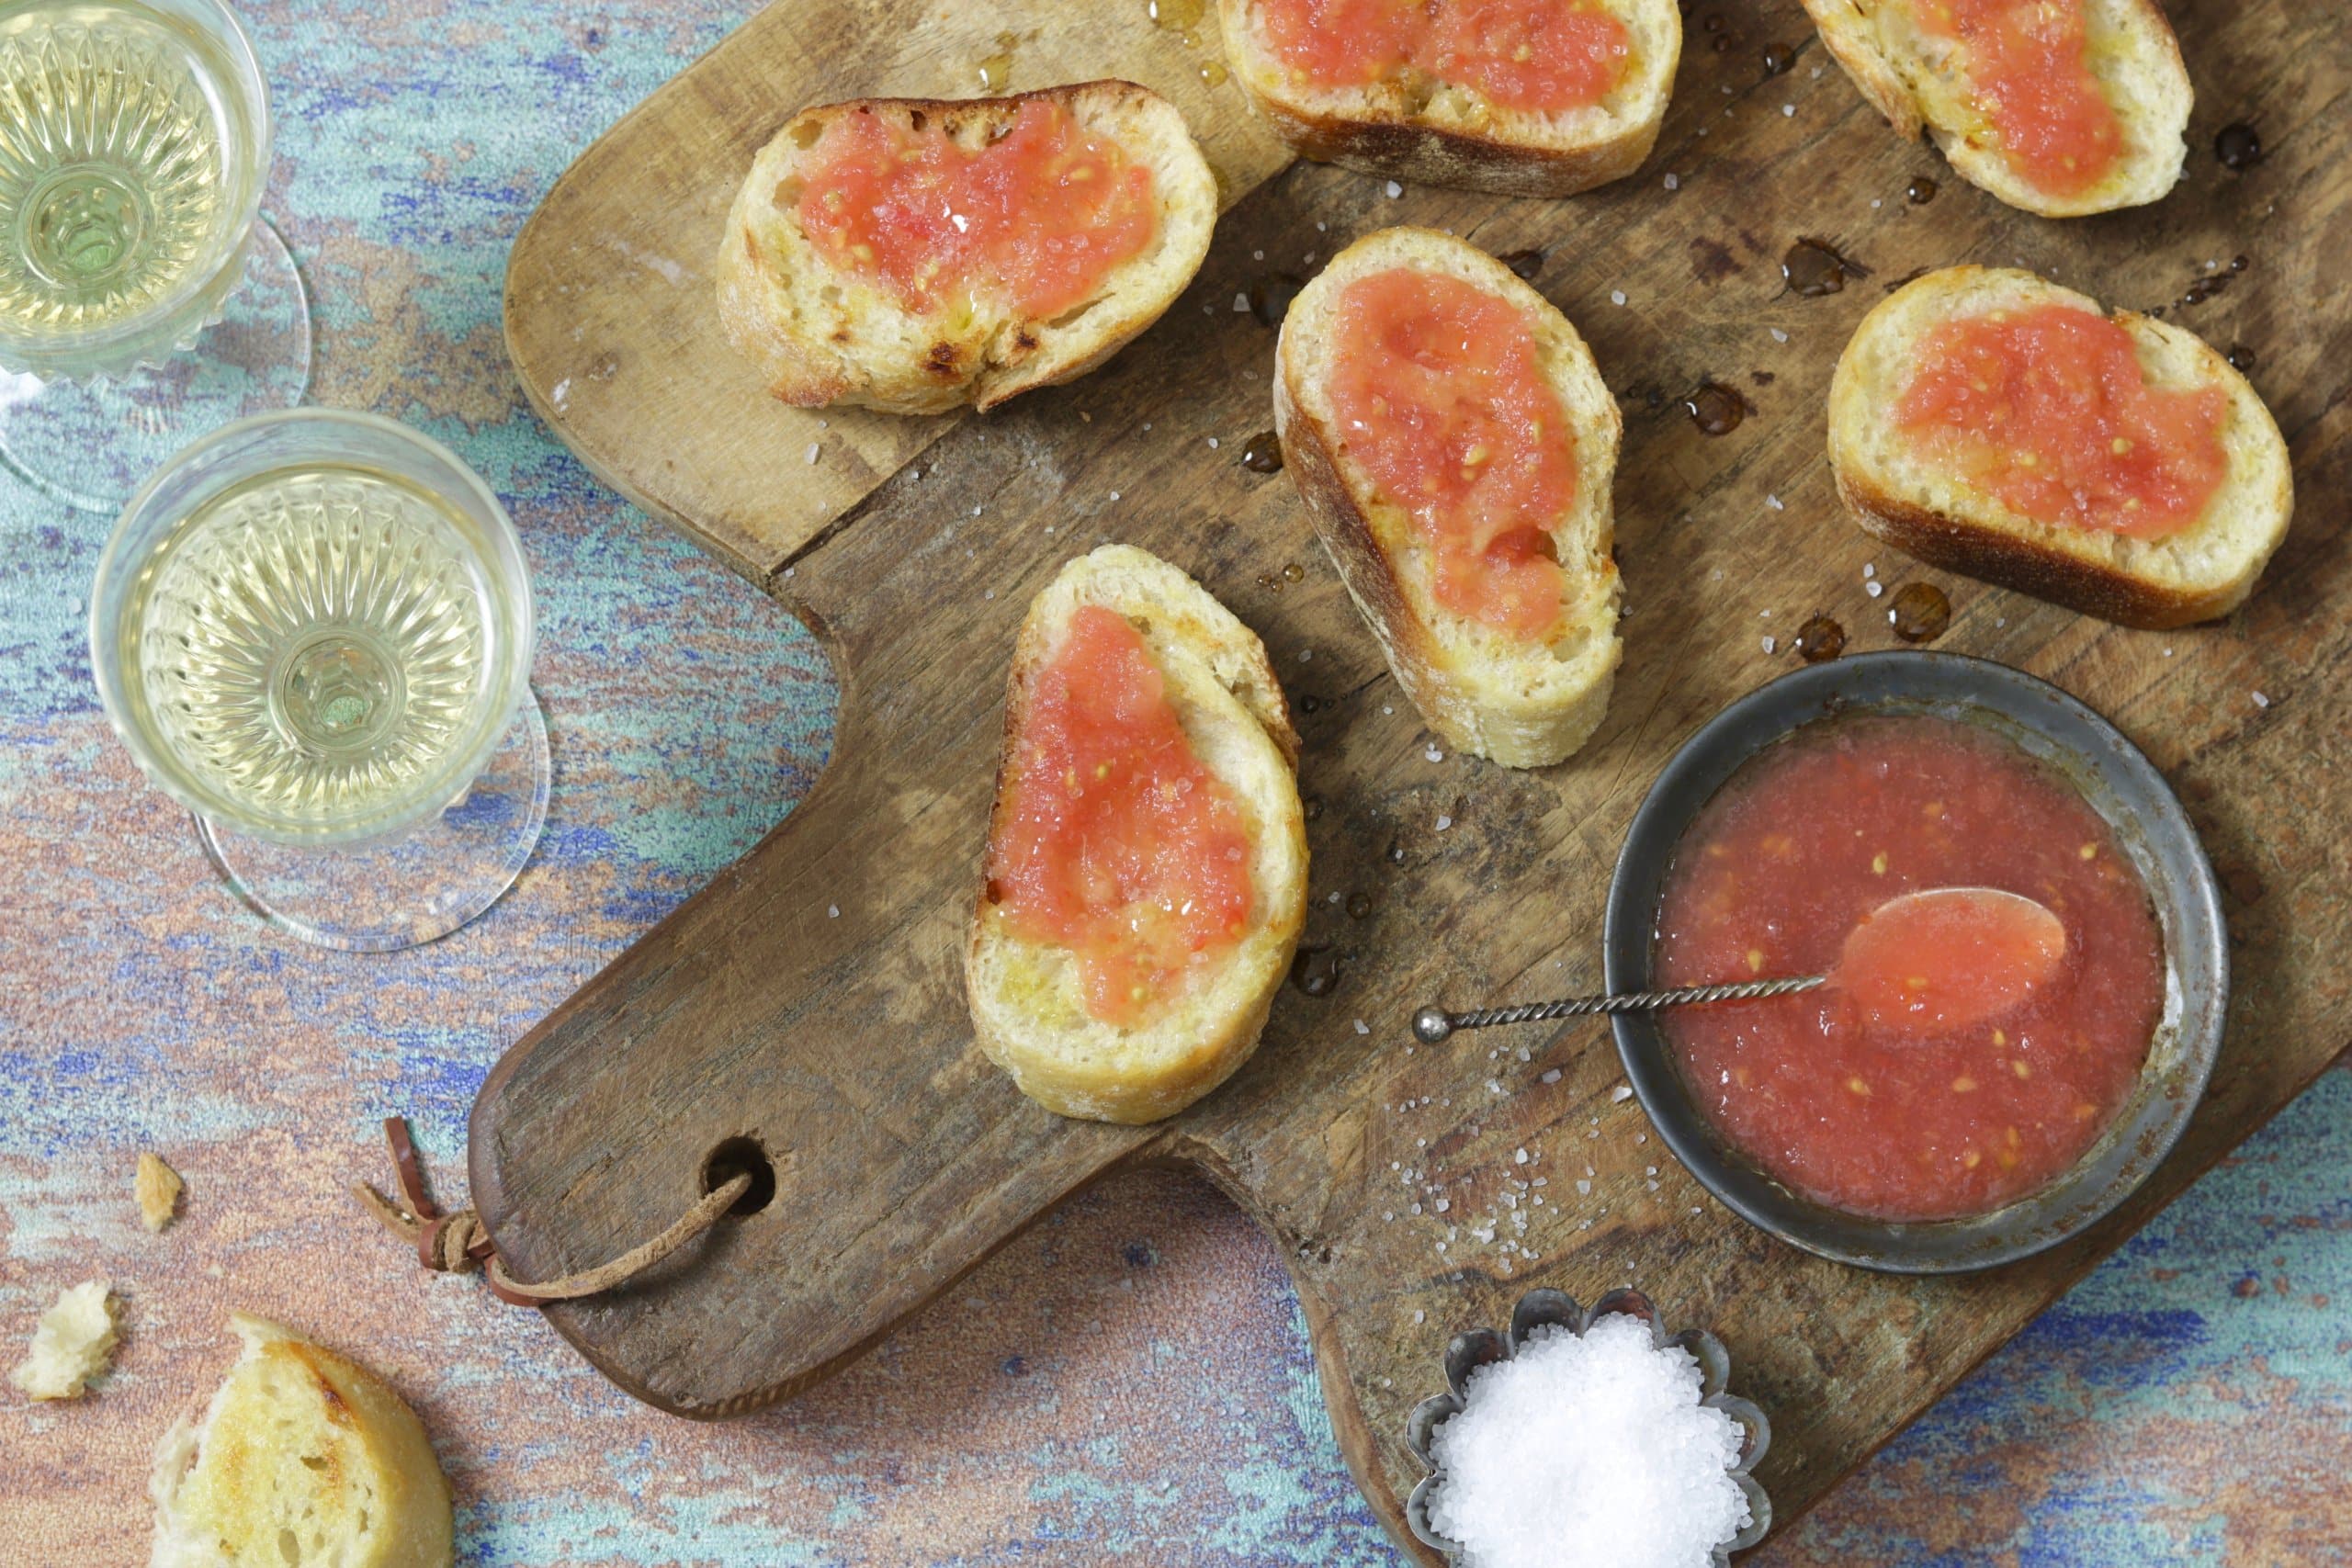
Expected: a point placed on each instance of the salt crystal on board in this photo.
(1620, 1095)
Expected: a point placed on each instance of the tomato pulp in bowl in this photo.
(1881, 1117)
(1958, 772)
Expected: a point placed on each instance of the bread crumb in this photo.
(157, 1186)
(74, 1343)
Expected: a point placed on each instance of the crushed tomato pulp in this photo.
(2027, 64)
(1904, 1119)
(1535, 55)
(1035, 220)
(1440, 396)
(1118, 843)
(2049, 409)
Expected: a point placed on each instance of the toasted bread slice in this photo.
(1028, 1007)
(303, 1457)
(1916, 80)
(1898, 494)
(1413, 127)
(1523, 705)
(819, 336)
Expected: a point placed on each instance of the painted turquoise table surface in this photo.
(1129, 1383)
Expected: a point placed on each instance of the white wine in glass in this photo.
(134, 141)
(313, 628)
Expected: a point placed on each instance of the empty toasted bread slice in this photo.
(855, 269)
(1038, 1002)
(1941, 505)
(2033, 149)
(1574, 103)
(303, 1459)
(1524, 698)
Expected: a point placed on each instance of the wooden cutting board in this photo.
(811, 1000)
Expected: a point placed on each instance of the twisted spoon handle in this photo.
(1432, 1024)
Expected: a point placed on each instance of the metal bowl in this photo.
(1545, 1308)
(2121, 784)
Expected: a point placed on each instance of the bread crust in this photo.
(1386, 133)
(1524, 736)
(2076, 568)
(1190, 616)
(845, 356)
(1416, 152)
(1851, 31)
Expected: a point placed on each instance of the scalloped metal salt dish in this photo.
(1542, 1308)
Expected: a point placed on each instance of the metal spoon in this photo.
(2045, 932)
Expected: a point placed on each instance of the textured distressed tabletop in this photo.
(1129, 1382)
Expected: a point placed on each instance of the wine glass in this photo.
(143, 301)
(312, 628)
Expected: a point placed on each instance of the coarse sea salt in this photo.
(1588, 1451)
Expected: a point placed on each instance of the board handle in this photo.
(801, 1021)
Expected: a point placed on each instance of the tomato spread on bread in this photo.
(1533, 55)
(2029, 71)
(1034, 220)
(2048, 410)
(1117, 842)
(1439, 394)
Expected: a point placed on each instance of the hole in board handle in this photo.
(741, 1156)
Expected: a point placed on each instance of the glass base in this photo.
(90, 444)
(412, 890)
